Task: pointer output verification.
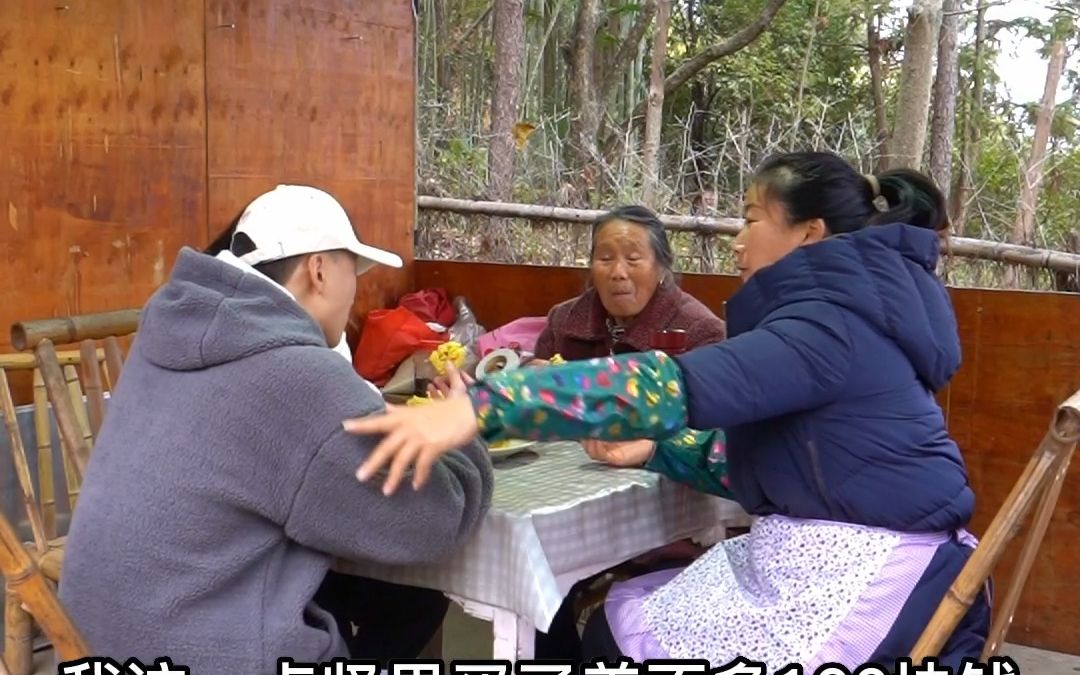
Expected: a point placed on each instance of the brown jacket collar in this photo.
(587, 318)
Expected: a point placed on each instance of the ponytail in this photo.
(824, 185)
(907, 196)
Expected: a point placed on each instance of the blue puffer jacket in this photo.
(826, 385)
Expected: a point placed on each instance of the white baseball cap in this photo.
(297, 219)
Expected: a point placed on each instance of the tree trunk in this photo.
(943, 124)
(875, 51)
(444, 78)
(654, 115)
(916, 81)
(965, 178)
(1024, 228)
(583, 100)
(550, 68)
(689, 68)
(509, 34)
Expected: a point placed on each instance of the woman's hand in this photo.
(453, 384)
(414, 437)
(621, 453)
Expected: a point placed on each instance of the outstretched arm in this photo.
(790, 364)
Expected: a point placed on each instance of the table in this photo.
(556, 518)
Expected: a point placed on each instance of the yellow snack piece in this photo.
(418, 400)
(452, 352)
(556, 360)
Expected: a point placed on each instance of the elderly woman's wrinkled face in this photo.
(767, 236)
(625, 271)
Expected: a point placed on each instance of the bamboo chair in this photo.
(1041, 480)
(78, 419)
(27, 585)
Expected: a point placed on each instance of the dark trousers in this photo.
(562, 642)
(596, 641)
(379, 620)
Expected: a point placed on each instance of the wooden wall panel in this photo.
(319, 93)
(1021, 358)
(118, 150)
(103, 167)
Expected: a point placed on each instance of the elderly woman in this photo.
(632, 295)
(840, 335)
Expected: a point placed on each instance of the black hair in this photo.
(642, 217)
(277, 270)
(823, 185)
(224, 240)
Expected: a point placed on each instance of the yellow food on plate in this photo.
(418, 400)
(556, 359)
(452, 352)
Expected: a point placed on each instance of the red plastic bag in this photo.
(430, 304)
(390, 336)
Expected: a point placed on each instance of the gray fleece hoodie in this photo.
(222, 485)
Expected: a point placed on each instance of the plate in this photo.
(510, 448)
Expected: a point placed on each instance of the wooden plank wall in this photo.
(131, 129)
(1021, 358)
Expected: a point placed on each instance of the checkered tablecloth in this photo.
(554, 512)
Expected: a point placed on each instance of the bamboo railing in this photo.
(962, 247)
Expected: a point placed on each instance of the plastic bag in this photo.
(390, 336)
(431, 304)
(465, 330)
(519, 333)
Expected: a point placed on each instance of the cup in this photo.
(669, 341)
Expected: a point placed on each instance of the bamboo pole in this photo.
(43, 431)
(95, 395)
(114, 361)
(18, 634)
(78, 403)
(71, 329)
(51, 563)
(22, 468)
(961, 247)
(29, 361)
(63, 408)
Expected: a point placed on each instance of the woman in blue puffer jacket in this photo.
(838, 340)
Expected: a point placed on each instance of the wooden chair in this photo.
(78, 407)
(1042, 480)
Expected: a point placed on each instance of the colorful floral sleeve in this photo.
(626, 397)
(694, 458)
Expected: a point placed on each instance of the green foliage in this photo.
(804, 83)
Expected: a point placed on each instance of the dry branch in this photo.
(961, 247)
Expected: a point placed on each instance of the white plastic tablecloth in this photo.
(556, 517)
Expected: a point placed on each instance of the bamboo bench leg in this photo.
(18, 635)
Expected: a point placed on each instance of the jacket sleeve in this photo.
(694, 458)
(334, 512)
(791, 364)
(787, 365)
(618, 398)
